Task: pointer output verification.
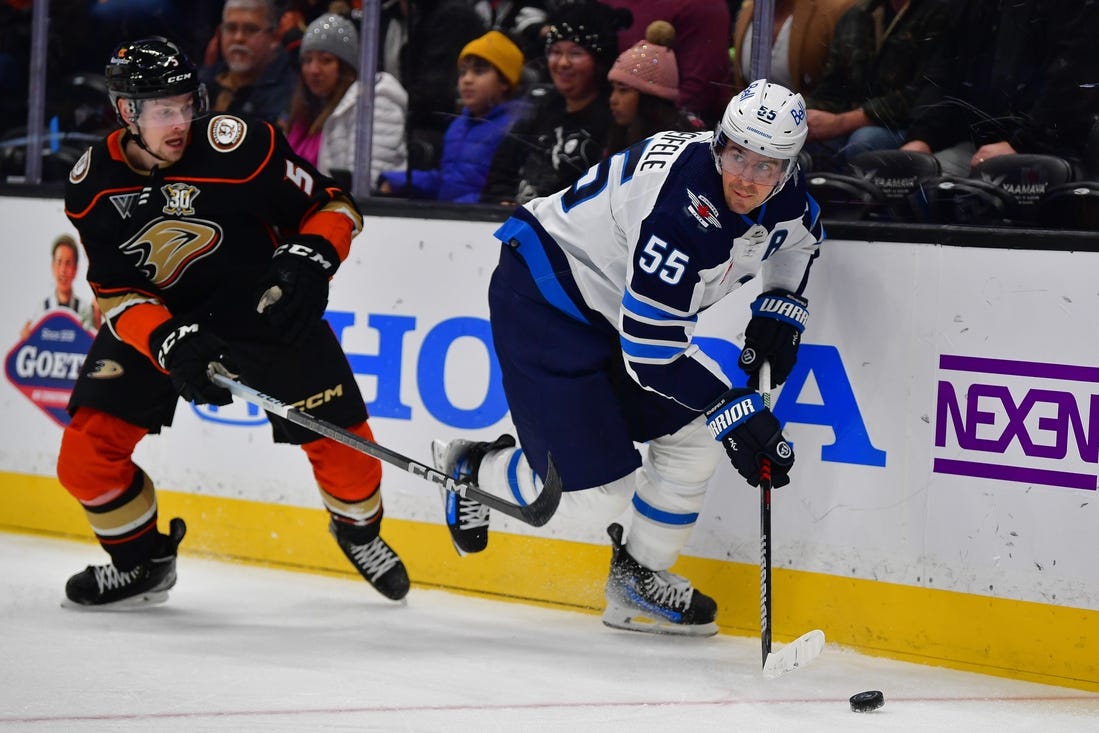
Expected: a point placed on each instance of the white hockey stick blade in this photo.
(794, 655)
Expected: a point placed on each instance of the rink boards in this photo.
(941, 510)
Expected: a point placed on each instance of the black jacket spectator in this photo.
(1017, 71)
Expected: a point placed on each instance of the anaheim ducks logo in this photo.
(165, 248)
(80, 168)
(105, 369)
(226, 132)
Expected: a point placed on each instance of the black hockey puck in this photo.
(865, 702)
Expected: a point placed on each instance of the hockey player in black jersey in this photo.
(593, 306)
(208, 241)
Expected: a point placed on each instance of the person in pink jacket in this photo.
(324, 108)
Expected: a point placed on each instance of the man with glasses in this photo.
(593, 305)
(254, 76)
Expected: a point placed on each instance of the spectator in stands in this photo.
(293, 21)
(566, 130)
(253, 76)
(702, 51)
(1011, 76)
(644, 89)
(489, 70)
(324, 107)
(875, 66)
(800, 38)
(522, 22)
(419, 43)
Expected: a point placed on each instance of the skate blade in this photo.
(141, 600)
(632, 619)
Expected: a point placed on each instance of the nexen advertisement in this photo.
(1021, 421)
(941, 411)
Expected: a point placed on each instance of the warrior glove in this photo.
(185, 350)
(773, 334)
(750, 433)
(295, 290)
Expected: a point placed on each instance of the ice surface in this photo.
(244, 648)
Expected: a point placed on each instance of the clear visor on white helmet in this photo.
(762, 170)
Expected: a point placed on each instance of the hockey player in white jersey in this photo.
(593, 305)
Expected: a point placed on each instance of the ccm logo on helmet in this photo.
(179, 77)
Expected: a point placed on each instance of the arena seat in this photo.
(969, 201)
(1069, 206)
(1026, 176)
(897, 174)
(849, 198)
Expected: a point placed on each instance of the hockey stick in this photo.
(535, 514)
(808, 646)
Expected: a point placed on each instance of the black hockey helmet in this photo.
(151, 68)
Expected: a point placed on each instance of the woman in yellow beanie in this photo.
(489, 70)
(644, 89)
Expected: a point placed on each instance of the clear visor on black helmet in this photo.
(171, 111)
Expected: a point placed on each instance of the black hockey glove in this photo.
(773, 334)
(750, 433)
(185, 350)
(295, 291)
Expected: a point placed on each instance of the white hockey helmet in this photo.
(765, 118)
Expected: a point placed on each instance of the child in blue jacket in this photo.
(489, 69)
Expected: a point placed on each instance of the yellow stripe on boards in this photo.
(1017, 639)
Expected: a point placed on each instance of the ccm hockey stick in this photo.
(535, 514)
(808, 646)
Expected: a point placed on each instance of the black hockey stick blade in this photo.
(535, 514)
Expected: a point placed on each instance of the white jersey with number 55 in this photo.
(646, 241)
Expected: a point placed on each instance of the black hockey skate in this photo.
(107, 587)
(654, 602)
(377, 562)
(466, 519)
